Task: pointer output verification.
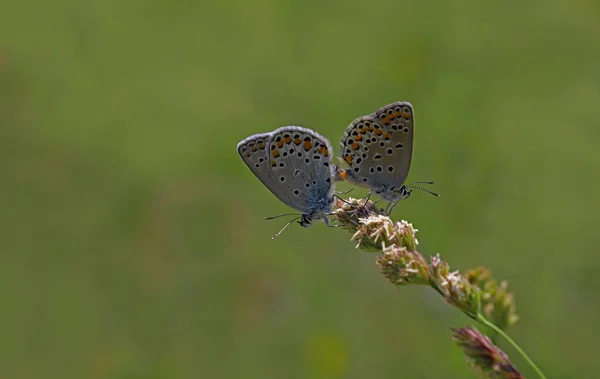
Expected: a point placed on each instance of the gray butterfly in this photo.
(378, 150)
(295, 164)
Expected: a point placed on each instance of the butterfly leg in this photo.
(344, 192)
(368, 197)
(326, 221)
(391, 206)
(337, 197)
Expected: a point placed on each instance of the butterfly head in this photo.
(305, 221)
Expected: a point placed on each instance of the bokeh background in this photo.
(132, 238)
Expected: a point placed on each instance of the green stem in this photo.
(437, 289)
(485, 322)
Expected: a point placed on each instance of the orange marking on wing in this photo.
(297, 141)
(358, 137)
(287, 139)
(273, 162)
(343, 174)
(261, 145)
(370, 128)
(354, 146)
(386, 135)
(253, 147)
(378, 132)
(392, 116)
(280, 144)
(275, 153)
(362, 130)
(348, 159)
(323, 150)
(307, 145)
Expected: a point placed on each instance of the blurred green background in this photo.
(132, 238)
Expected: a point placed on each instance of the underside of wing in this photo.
(300, 160)
(378, 147)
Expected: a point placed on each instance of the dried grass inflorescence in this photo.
(483, 356)
(399, 261)
(475, 293)
(497, 303)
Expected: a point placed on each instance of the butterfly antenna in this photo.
(424, 189)
(345, 192)
(285, 227)
(287, 214)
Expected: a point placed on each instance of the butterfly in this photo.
(295, 164)
(378, 150)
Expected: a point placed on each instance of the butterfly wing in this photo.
(253, 151)
(378, 147)
(294, 163)
(300, 160)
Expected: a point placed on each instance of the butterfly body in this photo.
(387, 192)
